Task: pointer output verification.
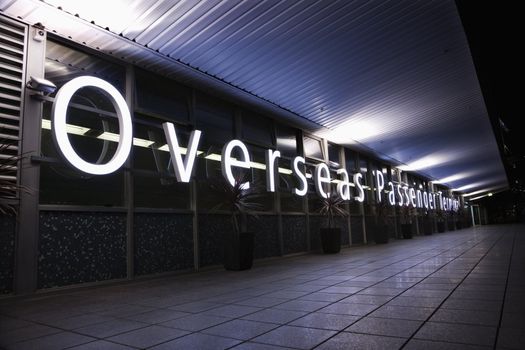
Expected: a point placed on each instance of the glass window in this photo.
(312, 148)
(286, 138)
(215, 120)
(162, 96)
(257, 129)
(155, 184)
(333, 156)
(92, 126)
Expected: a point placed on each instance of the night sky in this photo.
(496, 43)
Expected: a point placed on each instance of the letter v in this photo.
(182, 171)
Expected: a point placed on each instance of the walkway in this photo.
(435, 292)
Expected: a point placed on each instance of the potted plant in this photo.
(239, 201)
(330, 235)
(406, 222)
(381, 222)
(9, 189)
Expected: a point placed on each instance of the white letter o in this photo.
(59, 116)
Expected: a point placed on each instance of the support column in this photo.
(26, 258)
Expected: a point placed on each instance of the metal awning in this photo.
(393, 77)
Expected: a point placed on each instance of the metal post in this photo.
(26, 258)
(128, 182)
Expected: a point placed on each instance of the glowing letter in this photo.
(343, 187)
(321, 176)
(271, 157)
(425, 199)
(412, 196)
(60, 136)
(300, 175)
(227, 162)
(391, 194)
(182, 170)
(399, 195)
(380, 184)
(357, 182)
(405, 192)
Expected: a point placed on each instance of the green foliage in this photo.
(331, 207)
(237, 199)
(9, 190)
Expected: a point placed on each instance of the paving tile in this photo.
(417, 344)
(285, 294)
(125, 310)
(101, 345)
(158, 316)
(198, 341)
(195, 322)
(275, 316)
(55, 341)
(195, 306)
(240, 329)
(342, 289)
(26, 333)
(403, 312)
(79, 321)
(416, 302)
(426, 293)
(366, 299)
(345, 341)
(232, 311)
(385, 326)
(149, 336)
(348, 309)
(261, 301)
(325, 321)
(478, 295)
(457, 333)
(474, 317)
(319, 296)
(302, 305)
(295, 337)
(463, 304)
(10, 323)
(511, 338)
(381, 291)
(513, 320)
(110, 328)
(258, 346)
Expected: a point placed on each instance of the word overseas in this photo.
(395, 194)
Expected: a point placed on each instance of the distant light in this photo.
(490, 194)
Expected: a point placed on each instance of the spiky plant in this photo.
(331, 207)
(237, 199)
(9, 189)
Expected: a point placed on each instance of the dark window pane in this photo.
(333, 155)
(64, 63)
(162, 96)
(215, 120)
(286, 138)
(257, 129)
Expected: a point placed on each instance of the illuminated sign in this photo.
(184, 161)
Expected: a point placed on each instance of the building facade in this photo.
(75, 228)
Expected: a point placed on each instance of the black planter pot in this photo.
(331, 240)
(238, 252)
(441, 226)
(381, 233)
(406, 230)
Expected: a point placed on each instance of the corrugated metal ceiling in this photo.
(395, 76)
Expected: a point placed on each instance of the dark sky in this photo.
(496, 45)
(493, 29)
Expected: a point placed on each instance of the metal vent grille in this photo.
(12, 50)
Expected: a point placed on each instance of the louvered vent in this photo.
(12, 41)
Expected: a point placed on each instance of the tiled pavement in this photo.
(458, 290)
